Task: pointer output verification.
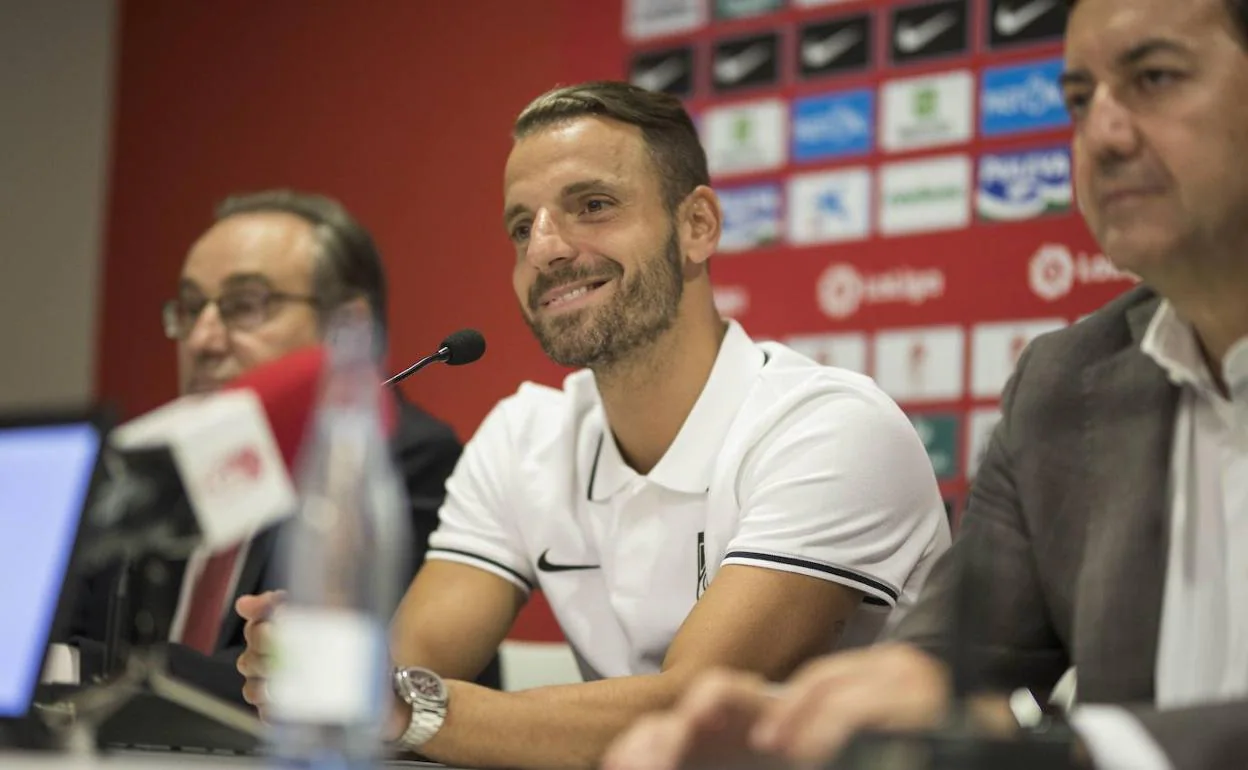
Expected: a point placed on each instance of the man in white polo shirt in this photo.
(688, 499)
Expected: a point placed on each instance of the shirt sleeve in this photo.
(476, 522)
(1116, 740)
(841, 489)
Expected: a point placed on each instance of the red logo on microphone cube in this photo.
(239, 467)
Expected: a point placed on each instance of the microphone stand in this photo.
(142, 607)
(442, 354)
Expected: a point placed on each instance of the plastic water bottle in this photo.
(343, 556)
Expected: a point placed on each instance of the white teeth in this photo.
(569, 296)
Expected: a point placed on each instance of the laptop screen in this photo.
(45, 474)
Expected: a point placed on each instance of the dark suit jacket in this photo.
(425, 450)
(1064, 539)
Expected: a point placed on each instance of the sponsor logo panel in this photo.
(928, 111)
(1023, 185)
(829, 206)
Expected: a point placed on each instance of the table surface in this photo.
(145, 760)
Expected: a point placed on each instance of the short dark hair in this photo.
(348, 264)
(666, 128)
(1236, 9)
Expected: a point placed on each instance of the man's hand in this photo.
(889, 687)
(253, 662)
(709, 728)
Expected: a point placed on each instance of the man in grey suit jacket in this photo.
(1108, 524)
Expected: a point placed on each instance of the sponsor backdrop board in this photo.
(896, 185)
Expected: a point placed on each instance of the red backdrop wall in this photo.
(399, 108)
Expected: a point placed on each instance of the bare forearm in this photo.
(450, 661)
(453, 619)
(548, 728)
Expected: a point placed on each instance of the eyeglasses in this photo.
(240, 310)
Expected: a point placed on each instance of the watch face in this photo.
(427, 685)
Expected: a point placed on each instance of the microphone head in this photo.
(463, 347)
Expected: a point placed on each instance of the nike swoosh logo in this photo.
(1011, 22)
(821, 53)
(545, 566)
(730, 69)
(915, 38)
(661, 75)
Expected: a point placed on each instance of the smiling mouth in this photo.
(572, 295)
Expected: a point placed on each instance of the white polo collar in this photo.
(688, 463)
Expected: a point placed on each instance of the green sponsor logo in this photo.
(742, 129)
(926, 195)
(926, 102)
(736, 9)
(939, 433)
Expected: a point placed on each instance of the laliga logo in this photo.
(842, 290)
(239, 467)
(1054, 271)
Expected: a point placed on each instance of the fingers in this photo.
(655, 742)
(707, 726)
(811, 683)
(258, 607)
(256, 633)
(255, 692)
(723, 697)
(888, 687)
(835, 711)
(252, 664)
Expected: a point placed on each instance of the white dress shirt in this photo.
(1202, 654)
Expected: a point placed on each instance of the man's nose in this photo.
(208, 333)
(547, 245)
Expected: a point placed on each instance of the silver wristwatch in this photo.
(426, 693)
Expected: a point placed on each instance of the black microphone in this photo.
(461, 347)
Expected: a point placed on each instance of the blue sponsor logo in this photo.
(831, 203)
(1022, 98)
(833, 125)
(1022, 185)
(751, 216)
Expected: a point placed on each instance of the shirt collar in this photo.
(687, 464)
(1235, 370)
(1171, 342)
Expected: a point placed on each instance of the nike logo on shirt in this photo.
(545, 566)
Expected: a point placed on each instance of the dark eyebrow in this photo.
(576, 188)
(1150, 47)
(1076, 78)
(513, 211)
(590, 185)
(1131, 56)
(234, 280)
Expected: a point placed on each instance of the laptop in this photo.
(50, 474)
(49, 467)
